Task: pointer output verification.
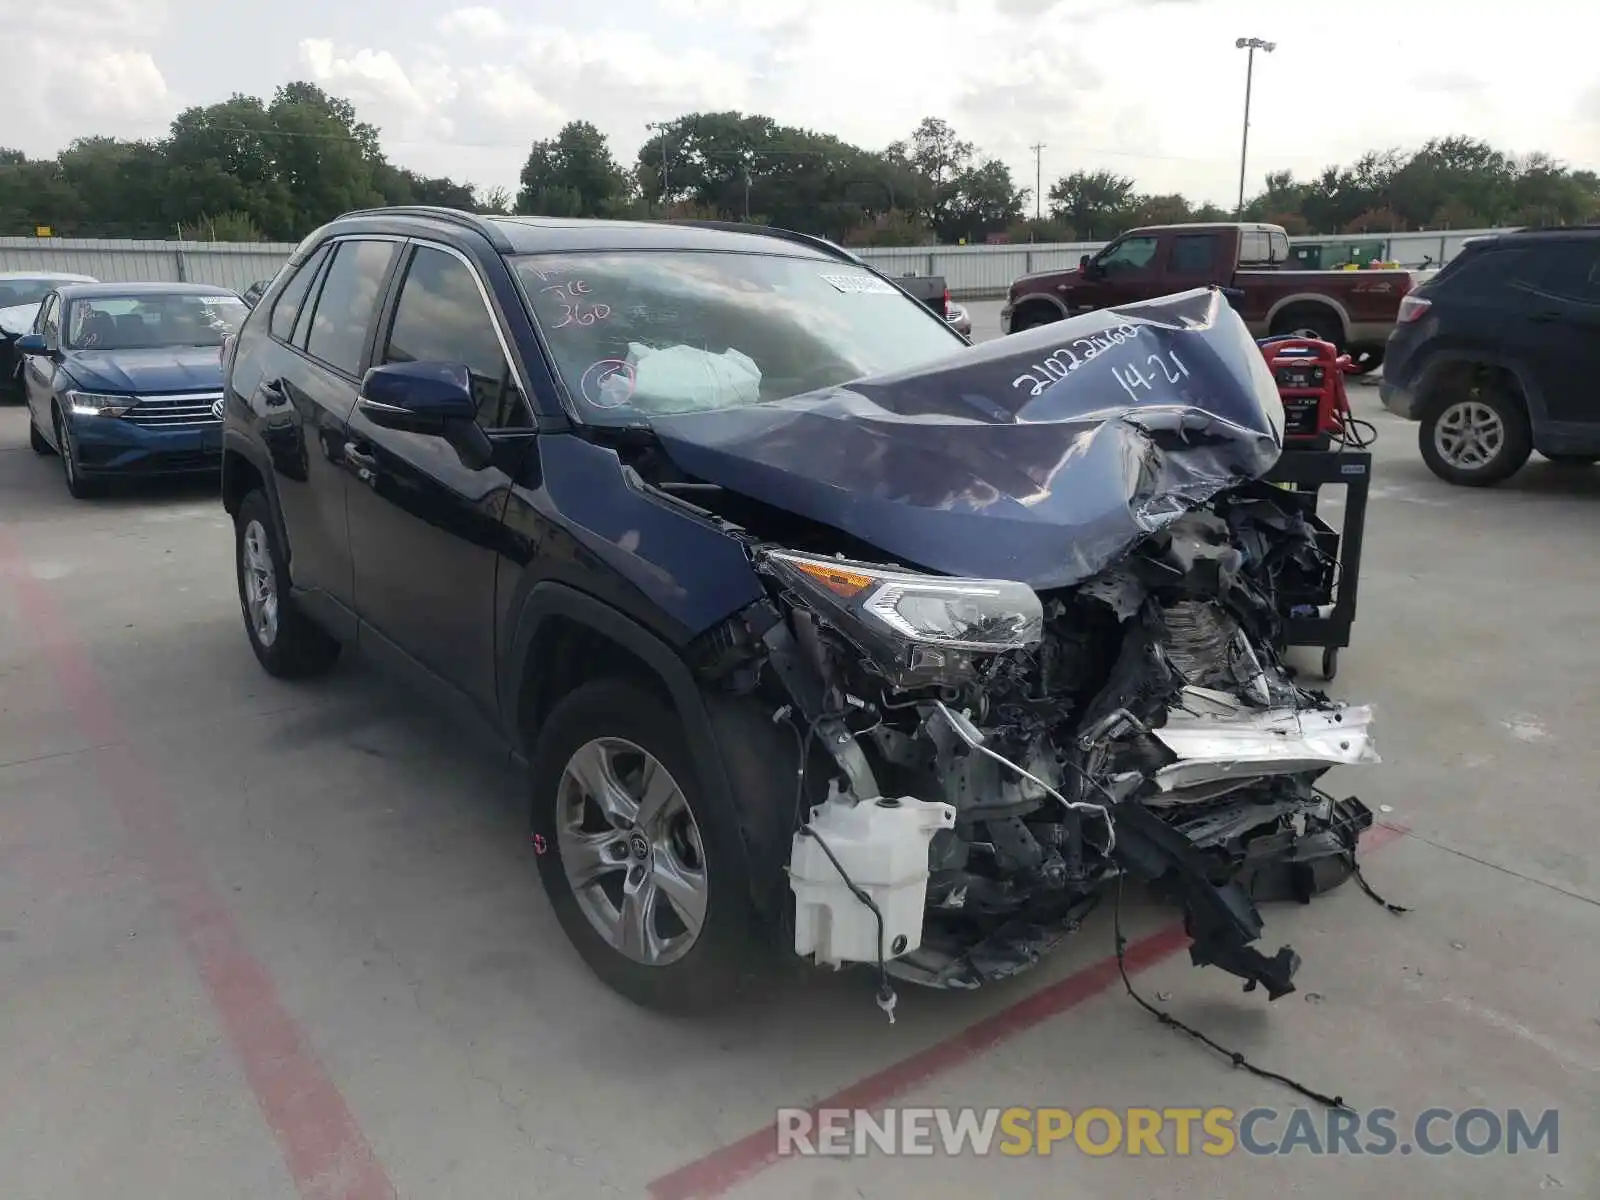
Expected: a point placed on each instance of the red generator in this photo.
(1310, 378)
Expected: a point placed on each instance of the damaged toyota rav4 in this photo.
(819, 629)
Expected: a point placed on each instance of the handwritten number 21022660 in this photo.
(577, 309)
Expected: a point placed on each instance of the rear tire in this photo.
(1474, 432)
(693, 946)
(285, 642)
(36, 439)
(1318, 323)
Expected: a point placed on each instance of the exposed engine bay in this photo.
(1151, 731)
(1078, 682)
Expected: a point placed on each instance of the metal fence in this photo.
(971, 272)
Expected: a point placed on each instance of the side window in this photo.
(1193, 253)
(49, 319)
(287, 306)
(441, 317)
(344, 311)
(1569, 271)
(1130, 254)
(1254, 246)
(1278, 244)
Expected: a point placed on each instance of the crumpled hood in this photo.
(140, 372)
(1041, 457)
(17, 319)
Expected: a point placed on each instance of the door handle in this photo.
(365, 464)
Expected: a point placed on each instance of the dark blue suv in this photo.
(1497, 355)
(814, 623)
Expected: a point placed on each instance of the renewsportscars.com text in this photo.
(1159, 1132)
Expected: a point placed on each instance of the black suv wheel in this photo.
(1474, 432)
(285, 642)
(646, 872)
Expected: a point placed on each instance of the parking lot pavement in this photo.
(260, 940)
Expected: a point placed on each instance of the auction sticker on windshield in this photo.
(862, 285)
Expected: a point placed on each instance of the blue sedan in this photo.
(126, 378)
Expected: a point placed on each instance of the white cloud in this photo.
(485, 23)
(1149, 88)
(82, 68)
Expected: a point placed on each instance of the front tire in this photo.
(645, 868)
(285, 642)
(1475, 435)
(79, 486)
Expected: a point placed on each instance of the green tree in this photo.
(1097, 204)
(573, 175)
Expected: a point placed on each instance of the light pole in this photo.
(1038, 179)
(662, 126)
(1251, 45)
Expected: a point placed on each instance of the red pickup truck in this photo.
(1355, 310)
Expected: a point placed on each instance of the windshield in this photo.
(152, 321)
(648, 332)
(14, 292)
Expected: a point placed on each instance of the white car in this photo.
(21, 293)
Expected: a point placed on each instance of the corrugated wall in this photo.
(232, 265)
(969, 271)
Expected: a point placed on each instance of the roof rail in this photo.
(452, 216)
(787, 235)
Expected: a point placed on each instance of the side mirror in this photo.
(1083, 263)
(1234, 296)
(32, 343)
(430, 398)
(418, 397)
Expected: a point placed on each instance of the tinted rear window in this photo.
(1478, 272)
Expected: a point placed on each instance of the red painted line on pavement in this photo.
(322, 1146)
(723, 1169)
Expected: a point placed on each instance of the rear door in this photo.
(320, 330)
(1558, 289)
(425, 527)
(1196, 260)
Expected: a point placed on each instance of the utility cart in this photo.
(1323, 444)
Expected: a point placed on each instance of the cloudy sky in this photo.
(1150, 88)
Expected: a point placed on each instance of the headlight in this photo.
(915, 628)
(97, 404)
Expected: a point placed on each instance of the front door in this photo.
(39, 370)
(425, 526)
(1124, 272)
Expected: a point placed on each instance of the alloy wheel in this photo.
(260, 584)
(632, 851)
(1469, 435)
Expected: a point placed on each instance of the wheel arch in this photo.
(1442, 362)
(1310, 300)
(246, 467)
(1038, 300)
(609, 641)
